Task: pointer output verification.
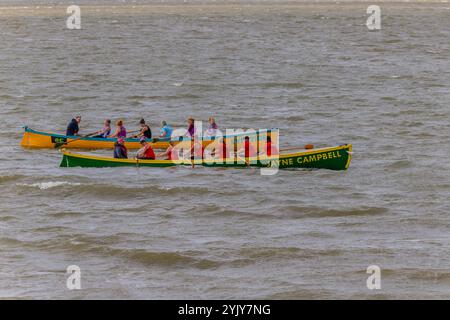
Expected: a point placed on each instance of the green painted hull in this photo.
(334, 158)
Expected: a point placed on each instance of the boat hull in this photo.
(334, 158)
(37, 139)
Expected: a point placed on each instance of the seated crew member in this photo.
(73, 127)
(146, 152)
(145, 130)
(248, 150)
(212, 128)
(106, 131)
(166, 130)
(120, 151)
(191, 128)
(270, 148)
(121, 131)
(197, 149)
(222, 151)
(171, 153)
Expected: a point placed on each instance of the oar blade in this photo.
(58, 145)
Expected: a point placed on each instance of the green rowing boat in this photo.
(333, 158)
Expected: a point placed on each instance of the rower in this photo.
(146, 152)
(166, 130)
(145, 130)
(212, 128)
(248, 150)
(121, 131)
(222, 151)
(73, 127)
(106, 131)
(170, 152)
(197, 149)
(270, 149)
(191, 128)
(120, 151)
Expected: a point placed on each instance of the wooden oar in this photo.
(131, 132)
(307, 147)
(60, 144)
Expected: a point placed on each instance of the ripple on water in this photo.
(300, 212)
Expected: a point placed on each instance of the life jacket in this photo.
(191, 130)
(122, 133)
(148, 132)
(150, 154)
(222, 151)
(173, 154)
(107, 132)
(271, 150)
(249, 149)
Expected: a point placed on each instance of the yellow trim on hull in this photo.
(34, 140)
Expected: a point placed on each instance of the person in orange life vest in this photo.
(146, 152)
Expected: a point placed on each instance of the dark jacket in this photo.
(72, 128)
(120, 151)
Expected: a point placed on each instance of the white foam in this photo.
(50, 184)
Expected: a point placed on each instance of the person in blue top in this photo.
(73, 128)
(166, 130)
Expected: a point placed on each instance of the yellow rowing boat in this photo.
(38, 139)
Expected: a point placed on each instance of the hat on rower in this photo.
(142, 139)
(120, 140)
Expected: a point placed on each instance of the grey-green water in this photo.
(312, 70)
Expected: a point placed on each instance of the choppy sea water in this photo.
(312, 70)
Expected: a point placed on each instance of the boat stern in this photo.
(349, 151)
(25, 143)
(333, 158)
(34, 139)
(65, 159)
